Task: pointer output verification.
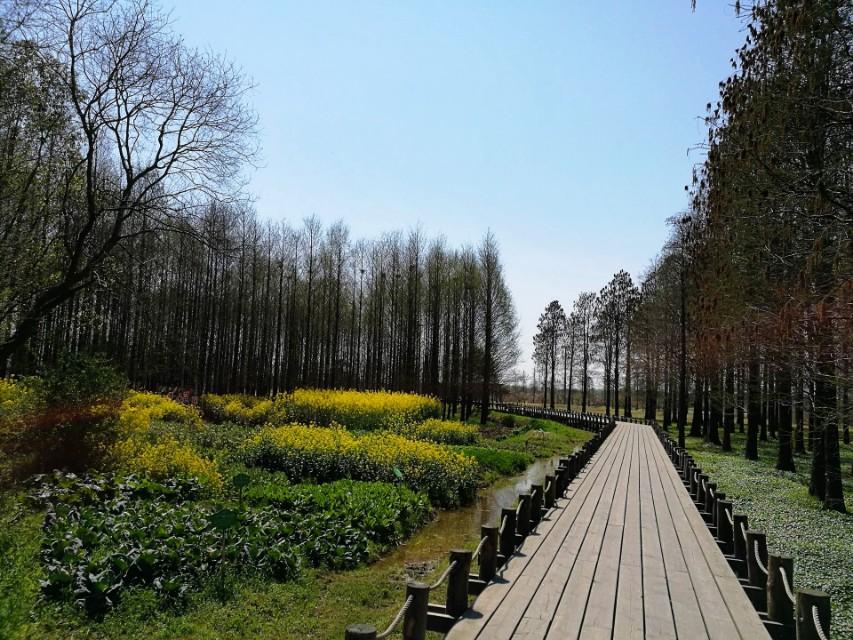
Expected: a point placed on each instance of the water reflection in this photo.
(461, 527)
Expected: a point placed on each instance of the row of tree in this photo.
(748, 311)
(123, 231)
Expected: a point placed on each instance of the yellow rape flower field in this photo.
(324, 454)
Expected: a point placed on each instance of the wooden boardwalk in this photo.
(625, 555)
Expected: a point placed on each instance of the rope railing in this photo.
(729, 517)
(503, 526)
(397, 619)
(787, 586)
(743, 533)
(443, 577)
(758, 557)
(479, 548)
(817, 626)
(548, 487)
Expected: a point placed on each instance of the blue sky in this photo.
(562, 126)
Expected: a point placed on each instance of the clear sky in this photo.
(562, 126)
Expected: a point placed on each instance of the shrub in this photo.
(243, 409)
(357, 410)
(54, 422)
(140, 409)
(507, 421)
(76, 380)
(499, 461)
(326, 454)
(164, 459)
(442, 432)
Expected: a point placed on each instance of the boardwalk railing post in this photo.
(488, 557)
(550, 491)
(457, 582)
(415, 620)
(360, 632)
(718, 495)
(522, 522)
(812, 604)
(756, 553)
(507, 533)
(536, 500)
(725, 531)
(739, 543)
(708, 506)
(779, 606)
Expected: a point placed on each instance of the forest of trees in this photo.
(747, 313)
(125, 231)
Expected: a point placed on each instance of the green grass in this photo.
(538, 437)
(777, 502)
(497, 462)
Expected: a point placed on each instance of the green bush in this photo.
(62, 420)
(498, 461)
(81, 380)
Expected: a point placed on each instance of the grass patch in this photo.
(535, 436)
(497, 462)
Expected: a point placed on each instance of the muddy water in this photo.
(460, 528)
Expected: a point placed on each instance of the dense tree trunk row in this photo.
(235, 305)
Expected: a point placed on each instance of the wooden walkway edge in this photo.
(624, 555)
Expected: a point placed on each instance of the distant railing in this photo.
(497, 545)
(587, 421)
(766, 578)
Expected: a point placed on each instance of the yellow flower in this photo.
(325, 454)
(140, 409)
(358, 410)
(164, 459)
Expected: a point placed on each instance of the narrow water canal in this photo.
(461, 527)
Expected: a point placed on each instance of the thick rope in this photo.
(548, 487)
(397, 619)
(743, 531)
(817, 627)
(444, 575)
(479, 548)
(785, 584)
(758, 557)
(503, 526)
(729, 516)
(518, 509)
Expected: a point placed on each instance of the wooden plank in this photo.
(493, 596)
(685, 605)
(727, 608)
(571, 609)
(628, 622)
(601, 606)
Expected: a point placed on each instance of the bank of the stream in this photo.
(319, 603)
